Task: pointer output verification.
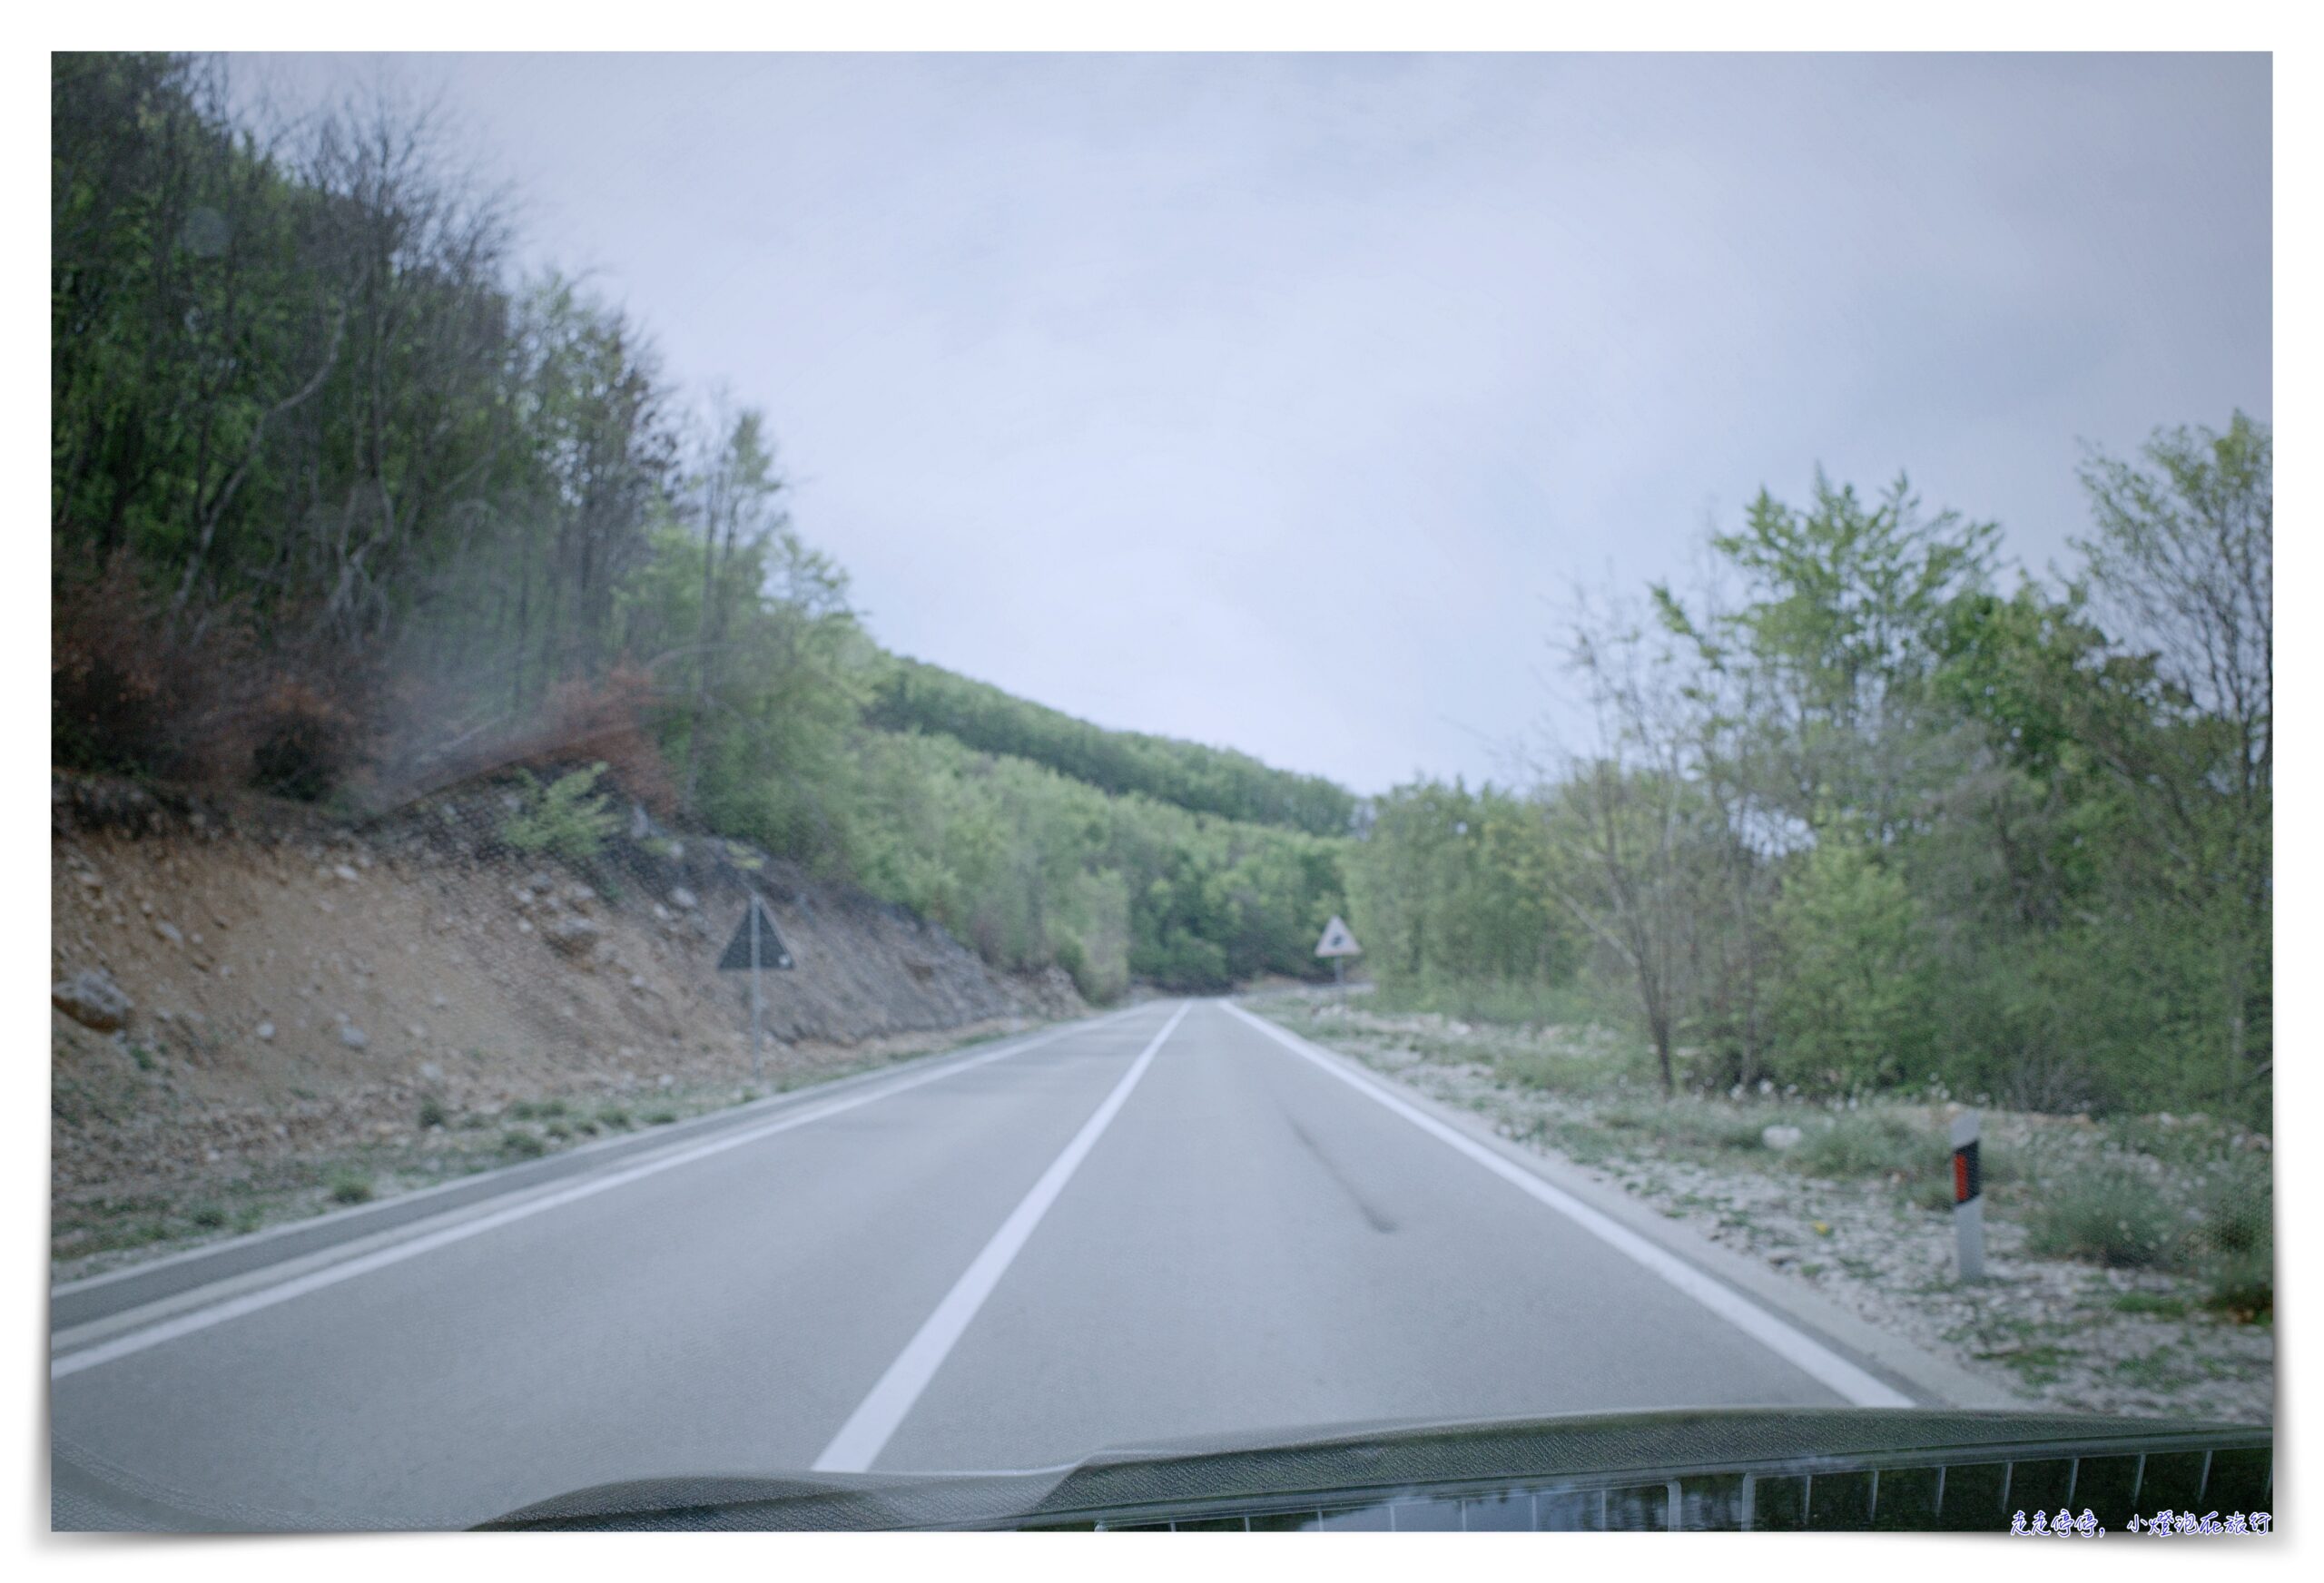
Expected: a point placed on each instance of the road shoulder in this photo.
(1929, 1380)
(86, 1311)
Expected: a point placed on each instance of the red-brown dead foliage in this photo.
(609, 719)
(136, 688)
(305, 741)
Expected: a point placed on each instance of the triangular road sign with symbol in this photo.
(771, 952)
(1337, 941)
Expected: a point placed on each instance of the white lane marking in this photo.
(202, 1319)
(867, 1429)
(777, 1104)
(1793, 1345)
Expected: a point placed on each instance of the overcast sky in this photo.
(1279, 402)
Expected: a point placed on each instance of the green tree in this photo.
(2183, 556)
(1854, 1012)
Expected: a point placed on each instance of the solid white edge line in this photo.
(202, 1319)
(866, 1432)
(1793, 1345)
(782, 1104)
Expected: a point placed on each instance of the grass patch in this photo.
(613, 1118)
(536, 1109)
(2040, 1364)
(1577, 1140)
(2243, 1288)
(2111, 1216)
(1865, 1145)
(1932, 1191)
(1690, 1124)
(1509, 1005)
(522, 1146)
(2235, 1203)
(1714, 1127)
(349, 1187)
(1568, 1070)
(208, 1216)
(432, 1113)
(2150, 1302)
(661, 1117)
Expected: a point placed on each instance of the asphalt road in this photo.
(1163, 1223)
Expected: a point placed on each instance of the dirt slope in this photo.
(303, 987)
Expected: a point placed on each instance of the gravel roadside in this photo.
(2132, 1338)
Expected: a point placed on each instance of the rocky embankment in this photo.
(250, 995)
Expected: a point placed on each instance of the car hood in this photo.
(1704, 1464)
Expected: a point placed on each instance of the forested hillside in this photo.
(344, 508)
(910, 696)
(1867, 820)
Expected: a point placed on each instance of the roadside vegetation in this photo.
(345, 508)
(1861, 820)
(88, 1232)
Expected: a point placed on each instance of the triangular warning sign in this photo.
(1337, 941)
(771, 949)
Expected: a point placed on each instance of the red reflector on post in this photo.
(1966, 1179)
(1968, 1205)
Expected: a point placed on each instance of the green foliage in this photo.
(568, 819)
(1031, 867)
(910, 696)
(1844, 597)
(1585, 1070)
(2243, 1287)
(520, 1145)
(2115, 1216)
(1516, 1002)
(2235, 1209)
(350, 1187)
(1867, 1144)
(1451, 886)
(1712, 1128)
(1852, 1013)
(490, 478)
(1859, 821)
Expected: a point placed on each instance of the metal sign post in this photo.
(755, 945)
(758, 1067)
(1968, 1197)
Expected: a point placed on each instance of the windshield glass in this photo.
(832, 768)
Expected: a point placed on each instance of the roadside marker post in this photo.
(1968, 1197)
(755, 945)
